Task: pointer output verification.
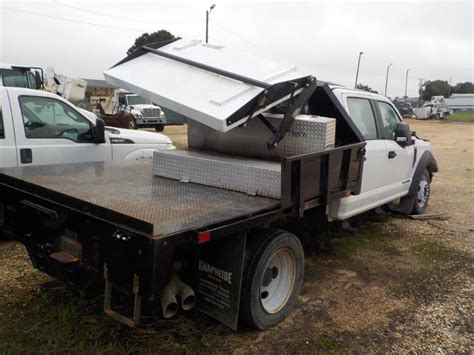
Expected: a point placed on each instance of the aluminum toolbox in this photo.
(308, 134)
(251, 176)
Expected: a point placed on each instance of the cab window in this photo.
(2, 129)
(14, 78)
(44, 117)
(363, 116)
(389, 120)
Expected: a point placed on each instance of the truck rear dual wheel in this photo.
(272, 278)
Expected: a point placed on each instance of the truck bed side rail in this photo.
(316, 179)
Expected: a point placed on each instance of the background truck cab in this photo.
(21, 76)
(145, 113)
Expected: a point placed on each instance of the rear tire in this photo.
(422, 193)
(272, 278)
(160, 128)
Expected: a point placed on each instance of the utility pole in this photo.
(207, 21)
(406, 84)
(386, 79)
(357, 73)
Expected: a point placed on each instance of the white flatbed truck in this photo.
(172, 244)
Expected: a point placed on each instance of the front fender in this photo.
(426, 162)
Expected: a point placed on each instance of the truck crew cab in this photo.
(392, 162)
(41, 128)
(175, 243)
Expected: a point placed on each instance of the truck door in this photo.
(363, 114)
(51, 131)
(7, 138)
(399, 160)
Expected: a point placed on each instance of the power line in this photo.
(127, 18)
(235, 34)
(89, 23)
(72, 20)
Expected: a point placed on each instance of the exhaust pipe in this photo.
(173, 290)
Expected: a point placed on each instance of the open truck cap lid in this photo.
(217, 86)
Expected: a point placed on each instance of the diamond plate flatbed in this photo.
(127, 193)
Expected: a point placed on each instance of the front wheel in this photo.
(160, 127)
(422, 194)
(132, 124)
(272, 278)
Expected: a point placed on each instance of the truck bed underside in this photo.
(128, 194)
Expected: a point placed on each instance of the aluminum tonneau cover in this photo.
(127, 194)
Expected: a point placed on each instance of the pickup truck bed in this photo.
(130, 195)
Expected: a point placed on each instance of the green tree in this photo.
(463, 88)
(366, 88)
(148, 38)
(435, 88)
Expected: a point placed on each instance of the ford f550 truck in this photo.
(175, 244)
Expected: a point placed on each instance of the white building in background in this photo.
(460, 102)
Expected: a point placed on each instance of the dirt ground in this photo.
(396, 285)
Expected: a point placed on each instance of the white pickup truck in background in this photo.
(41, 128)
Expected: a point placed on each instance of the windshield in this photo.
(15, 78)
(137, 100)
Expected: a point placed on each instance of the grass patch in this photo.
(438, 264)
(461, 116)
(56, 320)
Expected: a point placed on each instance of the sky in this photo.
(434, 40)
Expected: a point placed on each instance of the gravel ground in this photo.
(397, 285)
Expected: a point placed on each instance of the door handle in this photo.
(26, 156)
(392, 154)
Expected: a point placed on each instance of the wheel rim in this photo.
(423, 192)
(278, 281)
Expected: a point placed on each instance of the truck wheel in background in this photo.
(422, 194)
(132, 124)
(160, 127)
(272, 278)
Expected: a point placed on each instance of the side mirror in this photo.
(403, 134)
(98, 131)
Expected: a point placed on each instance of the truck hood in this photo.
(138, 137)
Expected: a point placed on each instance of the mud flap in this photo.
(220, 267)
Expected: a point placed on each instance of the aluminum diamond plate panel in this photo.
(254, 177)
(308, 134)
(115, 190)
